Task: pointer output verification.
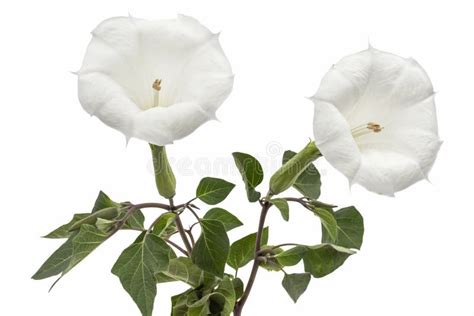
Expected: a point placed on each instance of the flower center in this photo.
(156, 92)
(366, 129)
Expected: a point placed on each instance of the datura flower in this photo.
(154, 80)
(375, 120)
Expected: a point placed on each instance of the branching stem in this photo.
(256, 262)
(180, 227)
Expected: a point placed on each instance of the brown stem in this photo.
(151, 205)
(193, 212)
(256, 263)
(176, 246)
(180, 227)
(191, 237)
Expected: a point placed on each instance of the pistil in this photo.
(365, 129)
(156, 92)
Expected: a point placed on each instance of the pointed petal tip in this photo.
(350, 185)
(127, 140)
(427, 179)
(213, 117)
(131, 18)
(311, 98)
(76, 73)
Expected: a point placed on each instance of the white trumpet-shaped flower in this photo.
(375, 120)
(154, 80)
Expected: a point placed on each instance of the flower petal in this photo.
(380, 87)
(114, 52)
(386, 172)
(334, 139)
(104, 98)
(413, 132)
(126, 55)
(162, 125)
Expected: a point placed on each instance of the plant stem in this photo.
(305, 203)
(176, 246)
(180, 227)
(256, 263)
(153, 205)
(286, 244)
(193, 212)
(191, 237)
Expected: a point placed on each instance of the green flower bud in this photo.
(286, 176)
(164, 177)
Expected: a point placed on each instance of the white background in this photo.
(417, 257)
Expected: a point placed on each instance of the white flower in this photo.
(154, 80)
(375, 120)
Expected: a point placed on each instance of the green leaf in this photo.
(271, 264)
(226, 288)
(212, 248)
(243, 250)
(103, 201)
(184, 270)
(210, 304)
(296, 284)
(57, 262)
(291, 256)
(252, 174)
(323, 259)
(329, 223)
(104, 208)
(181, 302)
(105, 225)
(63, 231)
(106, 213)
(165, 225)
(238, 288)
(219, 302)
(74, 250)
(309, 181)
(283, 207)
(350, 228)
(137, 266)
(206, 301)
(200, 308)
(226, 218)
(213, 190)
(136, 221)
(86, 241)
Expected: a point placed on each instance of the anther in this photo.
(157, 85)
